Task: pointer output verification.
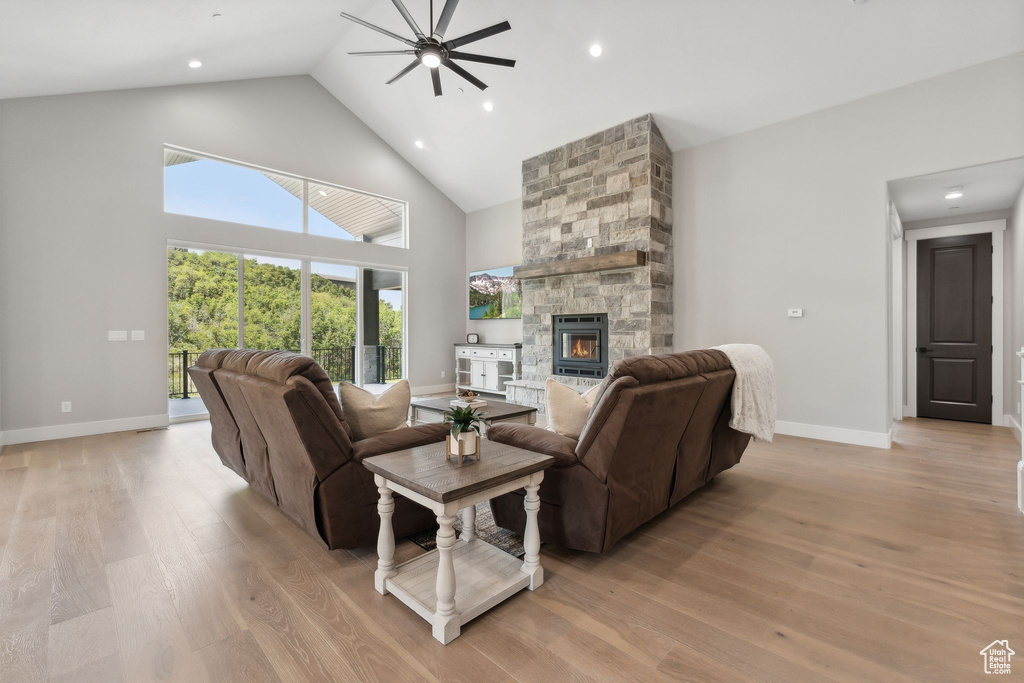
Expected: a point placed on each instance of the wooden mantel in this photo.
(588, 264)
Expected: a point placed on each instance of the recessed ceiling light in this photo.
(953, 207)
(954, 193)
(596, 50)
(323, 193)
(195, 64)
(488, 106)
(216, 15)
(419, 143)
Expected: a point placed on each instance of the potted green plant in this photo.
(464, 422)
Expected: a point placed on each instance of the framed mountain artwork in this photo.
(494, 294)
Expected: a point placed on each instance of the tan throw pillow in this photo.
(370, 415)
(568, 410)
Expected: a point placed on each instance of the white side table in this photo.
(462, 578)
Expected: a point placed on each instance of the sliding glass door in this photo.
(350, 319)
(333, 319)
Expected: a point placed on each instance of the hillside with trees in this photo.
(202, 292)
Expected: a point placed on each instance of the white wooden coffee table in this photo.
(462, 578)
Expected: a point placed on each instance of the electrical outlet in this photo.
(138, 335)
(796, 312)
(65, 407)
(443, 373)
(590, 242)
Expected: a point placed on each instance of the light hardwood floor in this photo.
(140, 557)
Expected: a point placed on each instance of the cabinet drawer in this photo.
(485, 353)
(506, 354)
(465, 353)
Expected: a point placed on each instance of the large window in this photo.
(348, 318)
(206, 187)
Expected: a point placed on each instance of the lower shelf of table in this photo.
(484, 576)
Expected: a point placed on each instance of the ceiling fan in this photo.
(433, 51)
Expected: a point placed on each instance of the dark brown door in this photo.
(954, 328)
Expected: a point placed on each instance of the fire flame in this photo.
(579, 352)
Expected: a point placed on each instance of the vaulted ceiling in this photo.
(705, 68)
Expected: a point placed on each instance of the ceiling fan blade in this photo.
(435, 76)
(445, 19)
(478, 35)
(483, 59)
(378, 29)
(408, 19)
(385, 52)
(415, 63)
(465, 74)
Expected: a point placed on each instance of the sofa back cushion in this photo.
(254, 446)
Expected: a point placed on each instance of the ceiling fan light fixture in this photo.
(430, 56)
(434, 50)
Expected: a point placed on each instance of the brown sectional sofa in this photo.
(277, 422)
(658, 430)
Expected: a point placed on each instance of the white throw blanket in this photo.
(753, 393)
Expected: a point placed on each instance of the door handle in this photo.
(923, 349)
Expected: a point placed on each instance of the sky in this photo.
(225, 192)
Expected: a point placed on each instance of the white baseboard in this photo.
(436, 389)
(15, 436)
(189, 418)
(856, 437)
(1012, 423)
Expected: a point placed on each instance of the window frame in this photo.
(305, 180)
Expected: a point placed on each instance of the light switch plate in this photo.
(138, 335)
(796, 313)
(117, 335)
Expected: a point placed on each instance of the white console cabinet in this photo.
(486, 368)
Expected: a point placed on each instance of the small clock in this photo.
(472, 338)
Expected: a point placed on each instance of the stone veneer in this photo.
(613, 188)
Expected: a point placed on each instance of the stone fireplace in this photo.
(608, 195)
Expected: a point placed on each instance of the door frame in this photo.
(996, 228)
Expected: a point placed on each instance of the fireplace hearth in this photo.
(580, 345)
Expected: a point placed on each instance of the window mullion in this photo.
(241, 301)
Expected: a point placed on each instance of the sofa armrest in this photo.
(561, 448)
(398, 440)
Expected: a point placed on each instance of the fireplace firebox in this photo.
(580, 345)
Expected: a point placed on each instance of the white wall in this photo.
(84, 237)
(1015, 298)
(494, 238)
(793, 215)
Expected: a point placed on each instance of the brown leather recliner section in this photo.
(226, 437)
(297, 450)
(658, 430)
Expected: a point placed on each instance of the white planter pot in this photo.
(468, 443)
